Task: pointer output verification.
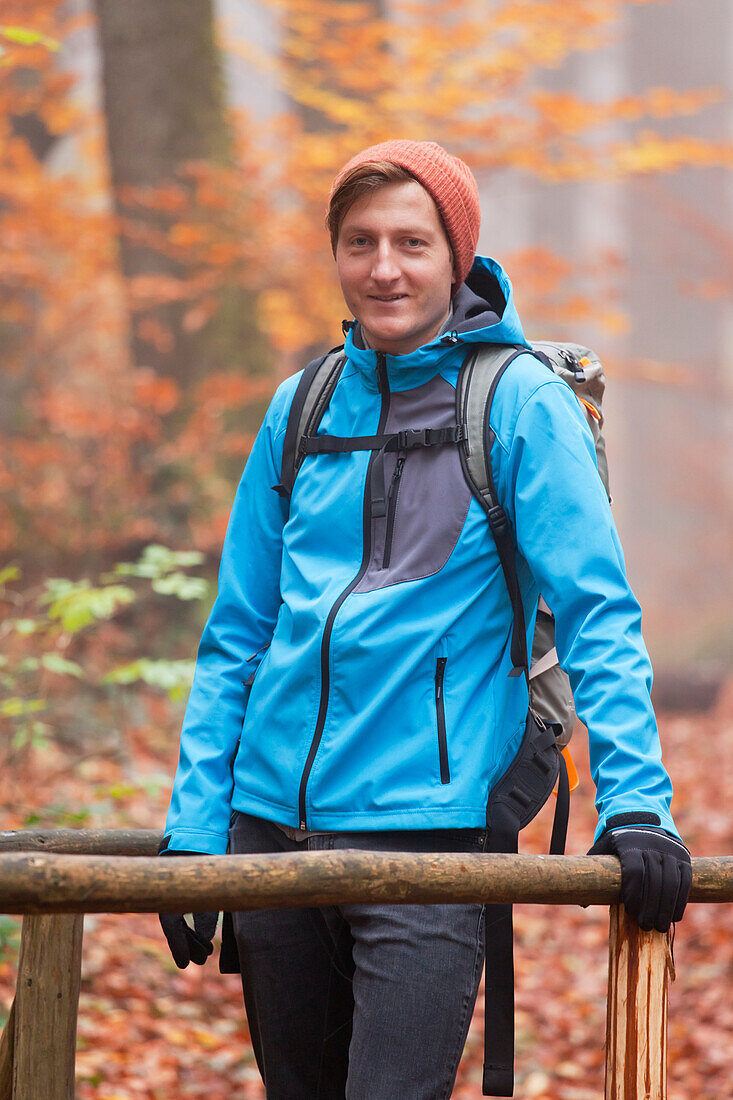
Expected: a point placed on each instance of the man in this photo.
(352, 686)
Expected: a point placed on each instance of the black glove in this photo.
(188, 944)
(656, 871)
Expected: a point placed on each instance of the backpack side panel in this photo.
(549, 687)
(582, 370)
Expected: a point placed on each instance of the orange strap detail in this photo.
(572, 770)
(591, 408)
(573, 780)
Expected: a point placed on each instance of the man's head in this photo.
(404, 219)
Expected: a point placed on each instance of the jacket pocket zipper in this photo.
(258, 653)
(440, 711)
(394, 489)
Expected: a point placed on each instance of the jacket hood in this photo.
(483, 312)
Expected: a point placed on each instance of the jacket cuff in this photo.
(619, 821)
(625, 818)
(195, 840)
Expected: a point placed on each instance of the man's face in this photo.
(395, 266)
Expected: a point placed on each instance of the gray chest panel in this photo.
(429, 501)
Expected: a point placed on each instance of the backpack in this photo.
(540, 761)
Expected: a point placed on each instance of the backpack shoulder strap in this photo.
(310, 401)
(477, 382)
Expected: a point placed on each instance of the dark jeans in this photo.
(363, 1002)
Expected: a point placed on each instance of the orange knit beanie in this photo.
(446, 178)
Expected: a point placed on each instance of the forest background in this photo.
(163, 265)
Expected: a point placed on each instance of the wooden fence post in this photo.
(639, 964)
(46, 1003)
(6, 1056)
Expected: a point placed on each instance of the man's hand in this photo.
(656, 872)
(188, 944)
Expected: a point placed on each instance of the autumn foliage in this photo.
(102, 451)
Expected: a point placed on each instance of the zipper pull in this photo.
(257, 653)
(399, 466)
(574, 363)
(539, 721)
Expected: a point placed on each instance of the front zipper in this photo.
(383, 387)
(440, 711)
(394, 489)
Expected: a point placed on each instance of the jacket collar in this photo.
(483, 311)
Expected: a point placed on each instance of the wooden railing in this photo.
(54, 877)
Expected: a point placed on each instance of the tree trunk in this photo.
(164, 108)
(166, 129)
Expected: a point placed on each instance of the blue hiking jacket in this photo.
(353, 672)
